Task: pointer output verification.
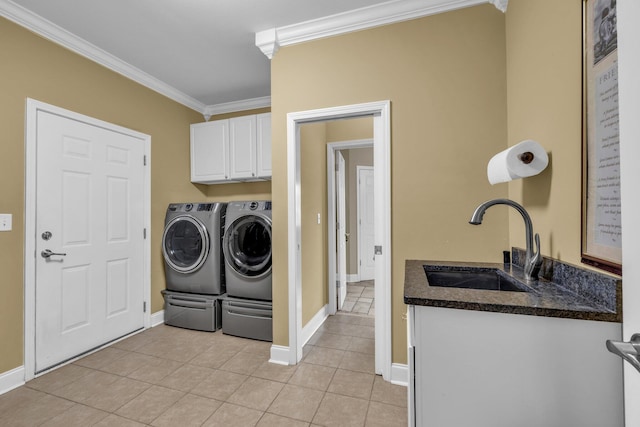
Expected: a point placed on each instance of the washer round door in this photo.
(185, 244)
(247, 246)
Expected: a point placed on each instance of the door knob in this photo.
(629, 351)
(47, 253)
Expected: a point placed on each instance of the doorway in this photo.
(86, 253)
(344, 263)
(380, 111)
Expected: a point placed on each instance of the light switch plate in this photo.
(5, 222)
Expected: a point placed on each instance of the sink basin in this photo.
(472, 278)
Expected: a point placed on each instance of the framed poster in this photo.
(601, 207)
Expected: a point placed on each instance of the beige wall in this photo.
(544, 45)
(35, 68)
(313, 201)
(350, 129)
(438, 170)
(445, 77)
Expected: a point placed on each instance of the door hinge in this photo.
(144, 233)
(144, 306)
(144, 160)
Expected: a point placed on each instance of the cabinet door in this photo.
(242, 142)
(484, 369)
(209, 151)
(263, 145)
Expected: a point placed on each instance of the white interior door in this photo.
(629, 89)
(341, 237)
(366, 225)
(90, 214)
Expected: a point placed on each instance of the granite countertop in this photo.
(584, 294)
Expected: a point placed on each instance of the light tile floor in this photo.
(168, 376)
(360, 298)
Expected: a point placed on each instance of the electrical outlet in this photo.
(5, 222)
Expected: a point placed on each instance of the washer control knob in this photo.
(253, 206)
(188, 207)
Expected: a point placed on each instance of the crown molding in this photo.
(269, 41)
(58, 35)
(231, 107)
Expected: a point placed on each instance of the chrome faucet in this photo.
(533, 261)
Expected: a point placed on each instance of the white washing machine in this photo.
(247, 250)
(192, 248)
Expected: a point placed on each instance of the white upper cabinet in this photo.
(231, 150)
(210, 151)
(242, 144)
(263, 169)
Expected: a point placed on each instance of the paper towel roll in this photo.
(524, 159)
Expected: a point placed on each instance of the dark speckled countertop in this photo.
(564, 291)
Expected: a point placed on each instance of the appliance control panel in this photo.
(188, 207)
(259, 205)
(205, 207)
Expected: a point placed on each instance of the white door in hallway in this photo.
(90, 216)
(366, 230)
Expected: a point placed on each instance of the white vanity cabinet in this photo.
(231, 150)
(486, 369)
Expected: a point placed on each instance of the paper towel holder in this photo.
(526, 157)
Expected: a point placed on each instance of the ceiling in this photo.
(201, 53)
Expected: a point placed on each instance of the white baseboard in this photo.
(400, 374)
(11, 379)
(157, 318)
(279, 355)
(353, 278)
(312, 325)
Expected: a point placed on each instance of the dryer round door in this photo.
(247, 246)
(185, 244)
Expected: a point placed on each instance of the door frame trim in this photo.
(32, 108)
(381, 112)
(332, 147)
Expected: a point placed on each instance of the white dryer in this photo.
(247, 250)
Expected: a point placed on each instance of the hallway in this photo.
(360, 298)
